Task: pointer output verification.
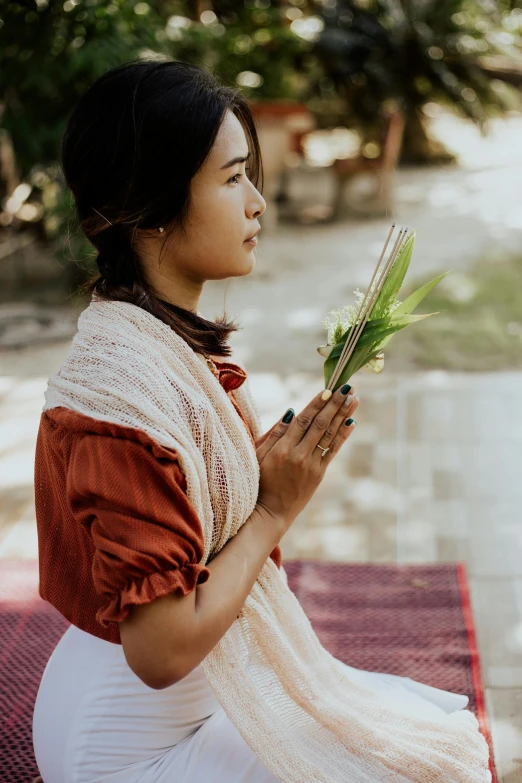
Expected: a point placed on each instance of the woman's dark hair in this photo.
(130, 149)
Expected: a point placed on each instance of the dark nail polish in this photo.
(346, 388)
(289, 415)
(350, 421)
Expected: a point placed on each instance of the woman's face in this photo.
(225, 207)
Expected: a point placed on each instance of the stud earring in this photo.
(161, 229)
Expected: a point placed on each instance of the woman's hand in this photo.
(262, 438)
(259, 441)
(291, 465)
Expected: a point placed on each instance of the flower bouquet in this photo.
(358, 334)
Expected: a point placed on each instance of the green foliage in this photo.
(479, 327)
(248, 44)
(416, 52)
(394, 279)
(384, 319)
(72, 249)
(368, 52)
(51, 53)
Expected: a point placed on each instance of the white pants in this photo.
(95, 721)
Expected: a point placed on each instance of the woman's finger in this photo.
(345, 411)
(262, 438)
(309, 428)
(274, 434)
(344, 431)
(299, 424)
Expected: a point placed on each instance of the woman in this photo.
(160, 506)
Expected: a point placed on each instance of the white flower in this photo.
(344, 318)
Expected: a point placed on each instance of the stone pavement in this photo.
(432, 471)
(430, 474)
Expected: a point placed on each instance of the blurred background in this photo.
(367, 111)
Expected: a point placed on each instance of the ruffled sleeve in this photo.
(129, 493)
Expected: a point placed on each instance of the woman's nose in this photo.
(259, 207)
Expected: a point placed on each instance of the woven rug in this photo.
(411, 620)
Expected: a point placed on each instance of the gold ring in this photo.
(322, 449)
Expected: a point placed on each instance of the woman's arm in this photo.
(164, 640)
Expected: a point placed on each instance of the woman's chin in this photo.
(243, 265)
(249, 263)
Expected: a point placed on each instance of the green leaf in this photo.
(375, 330)
(414, 299)
(394, 280)
(382, 324)
(368, 346)
(383, 342)
(329, 367)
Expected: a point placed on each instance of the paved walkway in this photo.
(432, 472)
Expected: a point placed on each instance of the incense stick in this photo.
(335, 375)
(363, 307)
(397, 248)
(368, 301)
(347, 334)
(359, 323)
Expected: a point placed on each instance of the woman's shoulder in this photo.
(61, 422)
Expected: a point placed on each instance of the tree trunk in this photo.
(418, 147)
(198, 6)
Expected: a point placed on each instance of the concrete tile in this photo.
(450, 518)
(14, 501)
(361, 459)
(19, 541)
(493, 469)
(385, 462)
(505, 676)
(418, 469)
(410, 410)
(439, 416)
(447, 485)
(382, 535)
(505, 718)
(447, 454)
(498, 620)
(497, 552)
(339, 543)
(17, 467)
(417, 541)
(452, 549)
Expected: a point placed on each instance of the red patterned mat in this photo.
(412, 620)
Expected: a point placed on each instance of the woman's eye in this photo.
(248, 171)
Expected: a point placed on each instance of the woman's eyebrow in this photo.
(234, 161)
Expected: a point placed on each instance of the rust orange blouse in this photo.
(115, 525)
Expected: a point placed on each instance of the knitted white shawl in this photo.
(290, 699)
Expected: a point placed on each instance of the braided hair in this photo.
(129, 151)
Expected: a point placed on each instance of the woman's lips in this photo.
(252, 242)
